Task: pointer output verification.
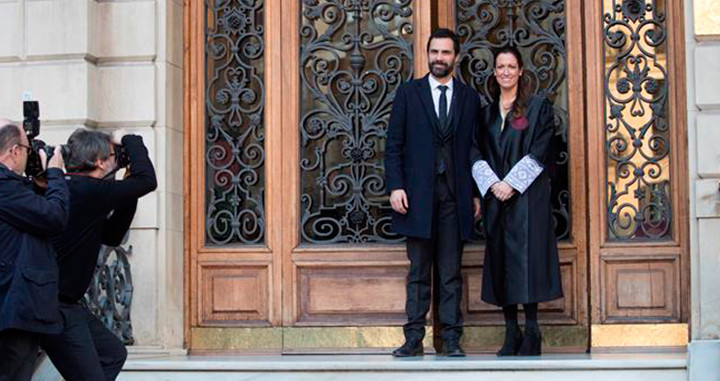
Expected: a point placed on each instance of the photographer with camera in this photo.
(101, 210)
(28, 271)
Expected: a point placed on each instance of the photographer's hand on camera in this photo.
(118, 135)
(57, 161)
(139, 180)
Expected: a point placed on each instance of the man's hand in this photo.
(476, 203)
(117, 136)
(43, 159)
(502, 191)
(56, 161)
(399, 201)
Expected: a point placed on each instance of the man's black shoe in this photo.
(411, 348)
(451, 348)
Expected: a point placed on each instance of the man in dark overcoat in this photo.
(28, 272)
(431, 189)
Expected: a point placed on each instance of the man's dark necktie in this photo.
(443, 130)
(442, 114)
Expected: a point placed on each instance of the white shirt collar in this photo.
(434, 83)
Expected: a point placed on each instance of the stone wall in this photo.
(702, 31)
(102, 65)
(703, 77)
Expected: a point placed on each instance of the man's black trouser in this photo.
(18, 353)
(85, 349)
(444, 250)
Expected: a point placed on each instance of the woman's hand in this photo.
(502, 191)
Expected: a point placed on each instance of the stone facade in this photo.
(702, 44)
(103, 65)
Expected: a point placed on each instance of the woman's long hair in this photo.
(523, 88)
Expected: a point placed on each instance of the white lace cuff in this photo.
(522, 175)
(484, 176)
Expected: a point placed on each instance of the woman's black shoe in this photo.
(532, 343)
(513, 341)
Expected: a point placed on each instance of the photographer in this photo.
(101, 210)
(28, 272)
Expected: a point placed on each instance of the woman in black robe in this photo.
(521, 259)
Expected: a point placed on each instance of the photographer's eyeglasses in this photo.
(28, 148)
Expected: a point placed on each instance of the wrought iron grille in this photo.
(636, 127)
(537, 29)
(235, 134)
(110, 294)
(354, 54)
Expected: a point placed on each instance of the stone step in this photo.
(554, 367)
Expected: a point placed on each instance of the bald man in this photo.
(28, 271)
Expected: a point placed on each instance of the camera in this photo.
(31, 125)
(123, 159)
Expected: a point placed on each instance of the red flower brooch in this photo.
(520, 123)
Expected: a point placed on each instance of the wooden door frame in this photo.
(283, 253)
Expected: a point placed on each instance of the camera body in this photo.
(31, 125)
(123, 159)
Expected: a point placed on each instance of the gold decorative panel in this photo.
(639, 335)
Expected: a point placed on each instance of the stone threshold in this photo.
(385, 363)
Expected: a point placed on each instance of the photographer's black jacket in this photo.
(28, 272)
(100, 213)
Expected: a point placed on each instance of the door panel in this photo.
(637, 167)
(340, 264)
(231, 166)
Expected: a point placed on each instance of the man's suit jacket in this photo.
(411, 150)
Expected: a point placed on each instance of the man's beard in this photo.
(440, 71)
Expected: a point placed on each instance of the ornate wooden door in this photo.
(288, 240)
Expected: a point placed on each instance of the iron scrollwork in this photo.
(354, 55)
(235, 134)
(537, 29)
(637, 130)
(110, 294)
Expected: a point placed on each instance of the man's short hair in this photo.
(445, 33)
(10, 135)
(87, 146)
